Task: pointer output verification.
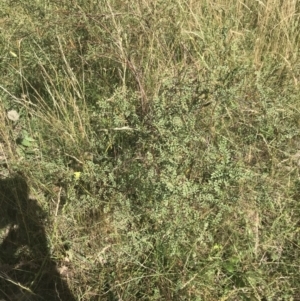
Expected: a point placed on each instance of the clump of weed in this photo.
(162, 140)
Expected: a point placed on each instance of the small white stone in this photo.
(13, 115)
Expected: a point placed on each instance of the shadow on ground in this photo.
(27, 271)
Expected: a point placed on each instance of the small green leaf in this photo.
(26, 142)
(232, 265)
(229, 267)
